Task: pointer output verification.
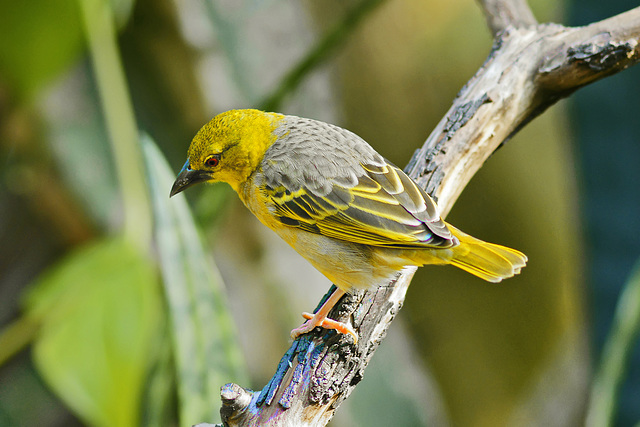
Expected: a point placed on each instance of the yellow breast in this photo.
(348, 265)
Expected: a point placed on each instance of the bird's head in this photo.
(228, 148)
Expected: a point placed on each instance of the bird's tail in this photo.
(485, 260)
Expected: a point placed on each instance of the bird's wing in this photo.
(380, 207)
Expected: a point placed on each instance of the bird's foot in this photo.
(324, 322)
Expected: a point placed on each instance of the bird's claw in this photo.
(326, 323)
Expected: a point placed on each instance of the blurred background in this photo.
(112, 309)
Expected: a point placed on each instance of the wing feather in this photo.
(381, 207)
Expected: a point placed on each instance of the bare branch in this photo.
(501, 14)
(529, 69)
(517, 83)
(321, 368)
(593, 52)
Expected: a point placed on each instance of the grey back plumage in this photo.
(365, 192)
(318, 155)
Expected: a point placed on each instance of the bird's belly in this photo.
(349, 266)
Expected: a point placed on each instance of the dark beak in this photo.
(188, 177)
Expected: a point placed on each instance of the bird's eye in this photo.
(212, 161)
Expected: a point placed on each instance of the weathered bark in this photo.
(530, 67)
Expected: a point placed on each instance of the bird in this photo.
(355, 216)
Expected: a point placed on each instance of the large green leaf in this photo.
(206, 352)
(100, 316)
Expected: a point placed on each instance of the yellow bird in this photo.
(352, 214)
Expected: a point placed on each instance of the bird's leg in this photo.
(320, 319)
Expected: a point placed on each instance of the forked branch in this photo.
(530, 67)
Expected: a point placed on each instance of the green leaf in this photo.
(100, 315)
(206, 352)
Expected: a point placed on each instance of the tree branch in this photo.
(529, 69)
(501, 14)
(592, 52)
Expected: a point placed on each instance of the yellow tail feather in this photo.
(485, 260)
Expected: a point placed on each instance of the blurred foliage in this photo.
(161, 71)
(36, 48)
(73, 177)
(95, 318)
(77, 140)
(99, 25)
(205, 351)
(99, 315)
(616, 353)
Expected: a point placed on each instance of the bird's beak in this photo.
(188, 177)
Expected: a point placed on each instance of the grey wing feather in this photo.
(365, 192)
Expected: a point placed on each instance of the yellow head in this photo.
(228, 148)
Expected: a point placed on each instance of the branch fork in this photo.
(530, 67)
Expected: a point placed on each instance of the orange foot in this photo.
(326, 323)
(320, 319)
